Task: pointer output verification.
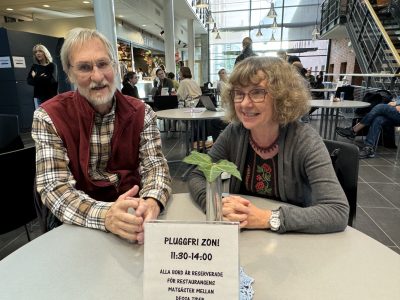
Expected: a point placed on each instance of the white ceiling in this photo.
(135, 12)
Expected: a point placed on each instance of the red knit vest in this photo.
(73, 118)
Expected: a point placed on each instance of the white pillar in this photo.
(190, 29)
(105, 23)
(169, 36)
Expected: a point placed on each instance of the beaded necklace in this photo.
(263, 149)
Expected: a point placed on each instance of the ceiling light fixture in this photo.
(10, 9)
(86, 2)
(218, 37)
(210, 19)
(162, 32)
(201, 4)
(272, 39)
(46, 5)
(215, 29)
(315, 33)
(274, 24)
(272, 13)
(259, 33)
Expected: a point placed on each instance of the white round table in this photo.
(330, 114)
(195, 124)
(194, 121)
(72, 262)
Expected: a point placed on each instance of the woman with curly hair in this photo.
(43, 75)
(278, 157)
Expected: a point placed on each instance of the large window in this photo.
(237, 19)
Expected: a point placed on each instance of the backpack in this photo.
(375, 98)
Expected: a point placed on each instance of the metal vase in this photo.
(214, 200)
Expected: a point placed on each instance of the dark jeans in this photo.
(381, 113)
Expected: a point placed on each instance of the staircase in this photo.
(374, 31)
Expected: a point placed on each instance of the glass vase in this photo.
(214, 200)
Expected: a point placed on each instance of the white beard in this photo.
(99, 100)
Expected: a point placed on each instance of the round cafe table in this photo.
(71, 262)
(330, 114)
(195, 119)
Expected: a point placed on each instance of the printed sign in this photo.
(191, 261)
(5, 62)
(19, 62)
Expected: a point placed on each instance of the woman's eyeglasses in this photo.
(103, 65)
(256, 95)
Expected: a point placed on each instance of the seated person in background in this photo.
(381, 113)
(171, 76)
(129, 88)
(310, 78)
(188, 87)
(162, 82)
(278, 157)
(223, 80)
(89, 172)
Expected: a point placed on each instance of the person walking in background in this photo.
(99, 152)
(381, 113)
(277, 156)
(247, 51)
(223, 80)
(129, 88)
(43, 75)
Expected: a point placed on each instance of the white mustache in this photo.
(94, 85)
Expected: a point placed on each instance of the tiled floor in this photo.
(378, 212)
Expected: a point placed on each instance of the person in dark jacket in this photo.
(247, 51)
(42, 75)
(129, 88)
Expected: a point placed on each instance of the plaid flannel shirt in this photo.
(56, 184)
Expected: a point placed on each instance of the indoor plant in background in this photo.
(212, 172)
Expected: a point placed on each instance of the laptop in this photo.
(208, 104)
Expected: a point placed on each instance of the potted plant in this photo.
(212, 172)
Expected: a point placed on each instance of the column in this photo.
(205, 58)
(190, 29)
(105, 23)
(169, 36)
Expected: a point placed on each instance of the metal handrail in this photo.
(383, 31)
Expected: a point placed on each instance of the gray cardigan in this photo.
(306, 178)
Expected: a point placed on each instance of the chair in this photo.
(165, 102)
(345, 162)
(17, 168)
(9, 133)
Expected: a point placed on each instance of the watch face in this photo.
(275, 223)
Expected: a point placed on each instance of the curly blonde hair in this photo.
(286, 86)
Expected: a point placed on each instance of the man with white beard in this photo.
(99, 162)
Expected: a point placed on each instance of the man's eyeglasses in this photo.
(103, 65)
(256, 95)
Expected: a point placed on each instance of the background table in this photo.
(330, 114)
(72, 262)
(194, 121)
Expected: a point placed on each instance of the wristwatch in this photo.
(274, 220)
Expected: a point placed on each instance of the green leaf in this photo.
(229, 167)
(199, 159)
(211, 170)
